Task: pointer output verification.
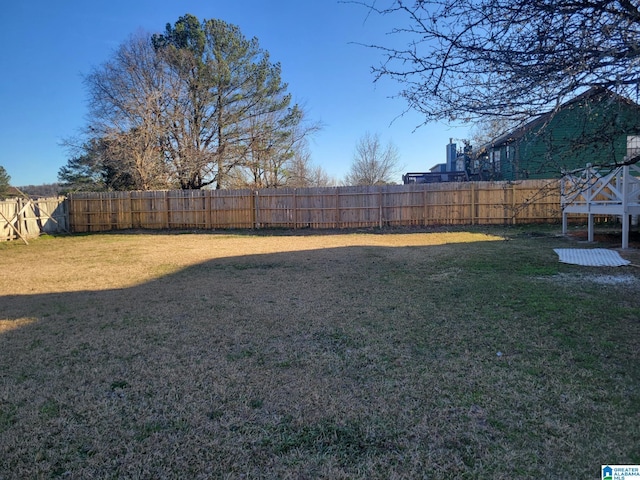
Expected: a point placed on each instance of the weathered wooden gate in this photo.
(25, 218)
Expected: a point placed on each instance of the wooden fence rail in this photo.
(464, 203)
(25, 218)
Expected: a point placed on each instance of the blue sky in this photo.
(50, 45)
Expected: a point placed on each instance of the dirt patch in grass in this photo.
(313, 356)
(622, 279)
(606, 236)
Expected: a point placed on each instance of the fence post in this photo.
(424, 205)
(22, 218)
(207, 209)
(71, 214)
(256, 209)
(295, 209)
(473, 204)
(127, 199)
(167, 209)
(513, 204)
(380, 205)
(337, 208)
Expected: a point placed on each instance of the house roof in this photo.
(12, 192)
(593, 93)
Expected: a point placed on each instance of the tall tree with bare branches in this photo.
(129, 101)
(301, 172)
(468, 59)
(373, 163)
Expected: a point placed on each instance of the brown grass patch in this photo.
(313, 356)
(120, 261)
(6, 325)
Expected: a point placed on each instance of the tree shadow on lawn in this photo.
(358, 362)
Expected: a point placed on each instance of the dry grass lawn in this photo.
(360, 355)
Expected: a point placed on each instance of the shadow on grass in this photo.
(359, 362)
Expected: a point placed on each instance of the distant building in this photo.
(591, 128)
(10, 192)
(595, 127)
(451, 171)
(433, 177)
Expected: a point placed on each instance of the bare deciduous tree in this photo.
(130, 100)
(373, 163)
(467, 59)
(303, 173)
(275, 139)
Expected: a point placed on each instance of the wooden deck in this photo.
(594, 191)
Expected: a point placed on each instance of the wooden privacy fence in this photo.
(22, 218)
(463, 203)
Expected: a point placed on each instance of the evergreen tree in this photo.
(5, 182)
(231, 89)
(187, 108)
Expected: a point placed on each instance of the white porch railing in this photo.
(599, 191)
